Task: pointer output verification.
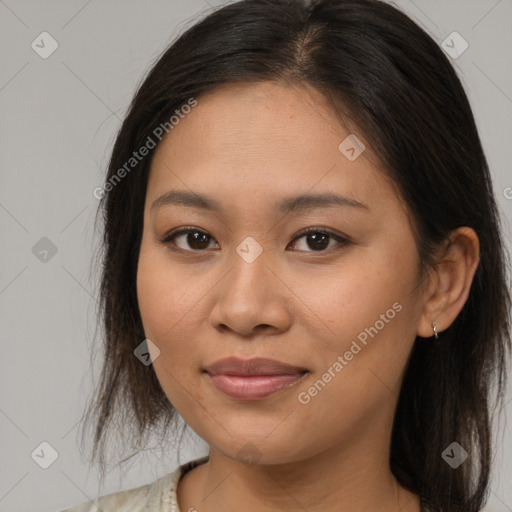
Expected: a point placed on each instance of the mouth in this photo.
(253, 379)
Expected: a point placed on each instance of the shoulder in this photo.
(131, 499)
(158, 496)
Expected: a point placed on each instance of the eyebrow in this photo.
(299, 203)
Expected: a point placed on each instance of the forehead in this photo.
(264, 140)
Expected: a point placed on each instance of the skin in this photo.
(248, 146)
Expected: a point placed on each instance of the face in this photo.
(340, 304)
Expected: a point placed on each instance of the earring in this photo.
(434, 327)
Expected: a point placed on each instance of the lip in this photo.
(253, 379)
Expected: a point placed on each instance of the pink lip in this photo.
(252, 379)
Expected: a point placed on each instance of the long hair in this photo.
(379, 69)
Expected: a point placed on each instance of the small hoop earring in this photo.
(434, 327)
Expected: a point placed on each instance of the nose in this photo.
(251, 299)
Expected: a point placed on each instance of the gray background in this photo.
(59, 119)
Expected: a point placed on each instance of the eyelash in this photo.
(169, 239)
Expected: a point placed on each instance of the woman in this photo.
(303, 258)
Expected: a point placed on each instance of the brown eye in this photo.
(317, 240)
(191, 239)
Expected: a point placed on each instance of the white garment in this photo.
(160, 496)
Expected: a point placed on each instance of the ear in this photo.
(450, 281)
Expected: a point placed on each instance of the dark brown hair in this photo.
(393, 81)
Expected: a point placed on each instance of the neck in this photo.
(362, 480)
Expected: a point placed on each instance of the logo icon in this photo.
(146, 352)
(44, 45)
(44, 250)
(249, 454)
(351, 147)
(45, 455)
(454, 455)
(249, 249)
(454, 45)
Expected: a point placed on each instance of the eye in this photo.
(318, 239)
(197, 239)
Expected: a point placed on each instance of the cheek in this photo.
(166, 308)
(166, 296)
(368, 314)
(344, 299)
